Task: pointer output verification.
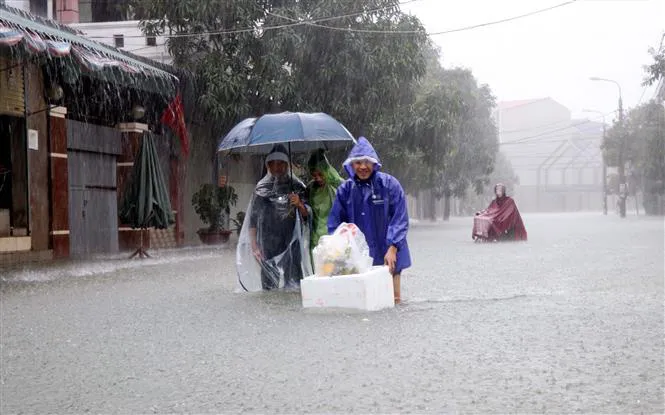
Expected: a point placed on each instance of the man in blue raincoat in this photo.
(375, 202)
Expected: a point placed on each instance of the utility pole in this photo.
(602, 156)
(623, 187)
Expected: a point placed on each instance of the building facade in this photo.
(557, 159)
(72, 114)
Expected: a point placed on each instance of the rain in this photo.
(358, 206)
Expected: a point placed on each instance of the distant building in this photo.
(557, 159)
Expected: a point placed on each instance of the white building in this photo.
(558, 160)
(127, 35)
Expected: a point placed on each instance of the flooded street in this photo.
(571, 321)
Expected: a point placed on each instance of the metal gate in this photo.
(93, 203)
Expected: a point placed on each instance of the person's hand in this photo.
(391, 259)
(257, 252)
(295, 200)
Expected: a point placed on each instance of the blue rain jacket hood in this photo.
(377, 206)
(363, 150)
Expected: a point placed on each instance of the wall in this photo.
(542, 124)
(67, 11)
(11, 88)
(243, 173)
(530, 199)
(19, 4)
(199, 170)
(543, 134)
(135, 40)
(36, 163)
(38, 160)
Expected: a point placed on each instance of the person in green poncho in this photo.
(321, 193)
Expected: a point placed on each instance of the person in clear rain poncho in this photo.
(273, 249)
(321, 193)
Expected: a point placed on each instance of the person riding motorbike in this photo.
(501, 221)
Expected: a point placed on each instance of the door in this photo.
(93, 206)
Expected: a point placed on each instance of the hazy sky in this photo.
(551, 54)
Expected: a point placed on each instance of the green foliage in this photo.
(211, 203)
(299, 67)
(238, 221)
(643, 140)
(431, 126)
(656, 71)
(450, 136)
(474, 201)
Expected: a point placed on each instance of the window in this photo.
(151, 41)
(39, 7)
(119, 41)
(108, 11)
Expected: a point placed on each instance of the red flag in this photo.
(174, 118)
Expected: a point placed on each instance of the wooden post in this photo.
(59, 182)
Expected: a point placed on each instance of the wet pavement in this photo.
(571, 321)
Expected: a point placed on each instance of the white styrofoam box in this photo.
(370, 291)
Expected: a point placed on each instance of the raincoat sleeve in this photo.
(338, 213)
(398, 224)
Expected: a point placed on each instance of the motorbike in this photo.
(498, 223)
(485, 230)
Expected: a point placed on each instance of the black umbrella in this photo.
(146, 201)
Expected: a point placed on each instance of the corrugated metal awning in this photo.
(36, 35)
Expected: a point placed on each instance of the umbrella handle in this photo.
(291, 166)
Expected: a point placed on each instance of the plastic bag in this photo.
(345, 252)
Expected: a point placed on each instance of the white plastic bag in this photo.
(345, 252)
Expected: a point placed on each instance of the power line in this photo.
(315, 23)
(548, 141)
(548, 125)
(522, 130)
(590, 151)
(265, 28)
(444, 32)
(529, 138)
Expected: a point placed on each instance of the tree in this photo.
(307, 64)
(644, 140)
(453, 132)
(474, 201)
(475, 142)
(355, 76)
(432, 126)
(656, 71)
(235, 74)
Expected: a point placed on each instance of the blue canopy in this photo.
(302, 132)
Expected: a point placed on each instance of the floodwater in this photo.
(571, 321)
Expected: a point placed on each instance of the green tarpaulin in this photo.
(146, 201)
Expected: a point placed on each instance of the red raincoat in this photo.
(501, 220)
